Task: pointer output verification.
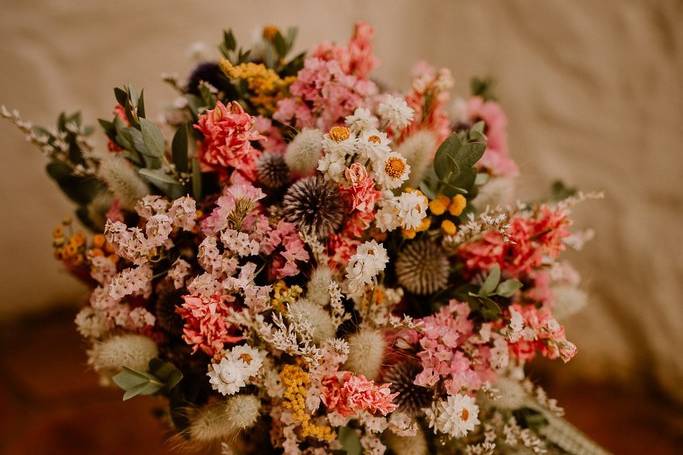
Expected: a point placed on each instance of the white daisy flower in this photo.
(339, 141)
(361, 120)
(370, 259)
(373, 145)
(395, 112)
(333, 166)
(411, 207)
(392, 171)
(235, 369)
(455, 416)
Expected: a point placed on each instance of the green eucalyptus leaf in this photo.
(489, 309)
(179, 149)
(280, 44)
(349, 440)
(152, 137)
(491, 281)
(508, 287)
(166, 372)
(80, 189)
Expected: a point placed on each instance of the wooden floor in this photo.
(51, 404)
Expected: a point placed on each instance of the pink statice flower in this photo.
(529, 240)
(284, 237)
(428, 99)
(496, 158)
(540, 332)
(272, 140)
(348, 394)
(227, 132)
(332, 84)
(205, 323)
(360, 192)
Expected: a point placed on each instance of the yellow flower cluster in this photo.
(454, 206)
(265, 85)
(283, 294)
(73, 249)
(296, 381)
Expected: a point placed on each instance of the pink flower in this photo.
(227, 131)
(240, 190)
(496, 157)
(348, 394)
(548, 335)
(272, 140)
(206, 326)
(361, 193)
(531, 239)
(284, 235)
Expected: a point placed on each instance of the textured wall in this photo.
(593, 91)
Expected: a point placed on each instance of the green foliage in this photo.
(161, 377)
(485, 301)
(560, 191)
(348, 438)
(179, 149)
(483, 87)
(80, 189)
(454, 161)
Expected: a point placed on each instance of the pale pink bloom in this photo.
(272, 140)
(349, 394)
(496, 157)
(285, 238)
(360, 191)
(227, 132)
(546, 335)
(205, 323)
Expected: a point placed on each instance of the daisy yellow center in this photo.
(374, 139)
(269, 32)
(465, 414)
(339, 133)
(394, 167)
(246, 358)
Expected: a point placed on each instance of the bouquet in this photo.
(299, 260)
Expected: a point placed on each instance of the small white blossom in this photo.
(361, 120)
(395, 112)
(392, 171)
(370, 259)
(235, 369)
(411, 208)
(456, 416)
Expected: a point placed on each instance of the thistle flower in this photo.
(418, 149)
(129, 350)
(224, 419)
(366, 353)
(123, 181)
(272, 171)
(422, 267)
(401, 378)
(304, 151)
(314, 205)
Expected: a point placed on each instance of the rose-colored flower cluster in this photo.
(332, 84)
(524, 246)
(496, 158)
(227, 132)
(205, 326)
(447, 353)
(349, 394)
(541, 333)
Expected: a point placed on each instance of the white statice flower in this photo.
(92, 323)
(411, 207)
(455, 416)
(333, 166)
(402, 424)
(458, 111)
(395, 112)
(392, 171)
(102, 269)
(361, 120)
(235, 369)
(239, 242)
(444, 80)
(370, 259)
(158, 229)
(139, 318)
(183, 212)
(131, 281)
(128, 243)
(205, 285)
(151, 205)
(209, 256)
(500, 353)
(373, 145)
(179, 272)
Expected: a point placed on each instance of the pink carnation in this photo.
(360, 193)
(530, 240)
(284, 235)
(206, 325)
(227, 132)
(496, 157)
(348, 394)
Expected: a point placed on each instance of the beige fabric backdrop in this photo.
(593, 91)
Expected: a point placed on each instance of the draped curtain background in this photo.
(593, 91)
